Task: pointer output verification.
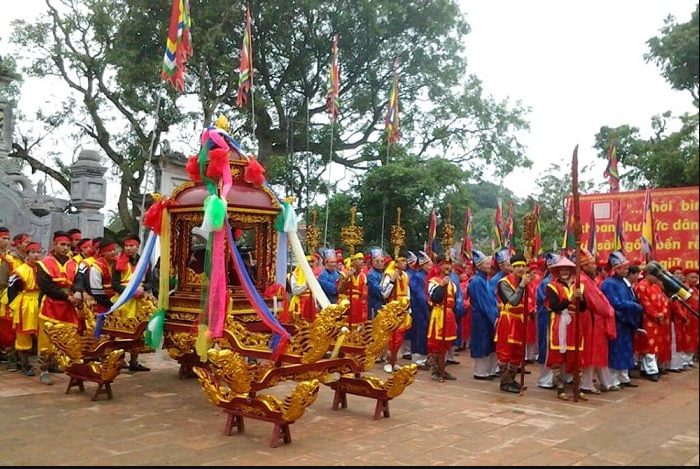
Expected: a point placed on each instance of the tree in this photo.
(676, 53)
(663, 160)
(666, 159)
(554, 186)
(108, 52)
(416, 186)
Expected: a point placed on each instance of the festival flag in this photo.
(498, 227)
(569, 244)
(537, 244)
(391, 120)
(332, 98)
(245, 73)
(178, 48)
(467, 236)
(508, 232)
(432, 248)
(592, 238)
(619, 241)
(648, 239)
(611, 171)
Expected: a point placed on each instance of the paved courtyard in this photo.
(157, 419)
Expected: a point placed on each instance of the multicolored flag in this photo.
(611, 171)
(432, 248)
(619, 241)
(467, 236)
(592, 239)
(178, 48)
(648, 238)
(333, 96)
(569, 243)
(498, 227)
(245, 73)
(508, 232)
(391, 120)
(537, 244)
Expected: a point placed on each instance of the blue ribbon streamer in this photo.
(260, 307)
(134, 281)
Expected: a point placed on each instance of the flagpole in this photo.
(150, 161)
(388, 147)
(250, 67)
(331, 98)
(328, 197)
(391, 124)
(178, 49)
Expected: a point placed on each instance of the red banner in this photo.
(675, 215)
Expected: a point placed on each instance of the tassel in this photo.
(192, 168)
(254, 172)
(154, 331)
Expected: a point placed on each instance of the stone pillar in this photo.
(6, 121)
(88, 192)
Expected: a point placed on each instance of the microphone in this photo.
(672, 287)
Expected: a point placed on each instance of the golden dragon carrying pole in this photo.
(352, 235)
(398, 234)
(313, 235)
(448, 233)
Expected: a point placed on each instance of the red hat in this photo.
(107, 248)
(20, 238)
(85, 243)
(61, 237)
(586, 258)
(33, 246)
(131, 240)
(562, 261)
(690, 270)
(674, 268)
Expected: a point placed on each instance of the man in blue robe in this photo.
(628, 317)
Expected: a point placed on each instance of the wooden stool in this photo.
(280, 430)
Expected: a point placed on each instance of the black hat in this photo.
(518, 259)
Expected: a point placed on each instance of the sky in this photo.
(578, 65)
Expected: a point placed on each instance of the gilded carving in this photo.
(352, 235)
(84, 354)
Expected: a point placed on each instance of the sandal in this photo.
(561, 394)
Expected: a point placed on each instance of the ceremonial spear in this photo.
(577, 271)
(529, 229)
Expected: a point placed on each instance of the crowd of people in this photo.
(77, 275)
(508, 311)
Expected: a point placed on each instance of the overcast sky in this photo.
(578, 65)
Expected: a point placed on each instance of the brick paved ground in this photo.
(157, 419)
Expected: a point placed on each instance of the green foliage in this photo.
(109, 52)
(667, 158)
(677, 53)
(8, 72)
